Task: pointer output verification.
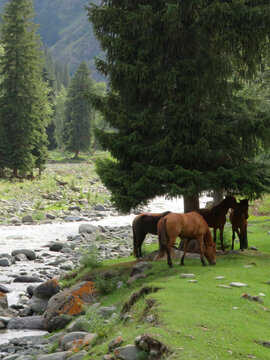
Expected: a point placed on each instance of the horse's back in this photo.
(147, 222)
(186, 224)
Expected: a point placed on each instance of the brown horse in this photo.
(142, 225)
(238, 218)
(216, 216)
(189, 226)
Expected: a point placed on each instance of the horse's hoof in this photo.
(182, 264)
(171, 266)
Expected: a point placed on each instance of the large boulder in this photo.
(28, 322)
(30, 254)
(47, 289)
(68, 303)
(87, 228)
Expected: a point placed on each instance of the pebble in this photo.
(187, 276)
(220, 277)
(238, 284)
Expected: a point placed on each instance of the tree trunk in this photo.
(2, 174)
(15, 173)
(191, 203)
(217, 196)
(76, 154)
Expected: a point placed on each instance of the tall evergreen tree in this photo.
(24, 108)
(78, 111)
(171, 68)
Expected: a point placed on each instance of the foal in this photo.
(238, 218)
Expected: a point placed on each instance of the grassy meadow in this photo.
(199, 320)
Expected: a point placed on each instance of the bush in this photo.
(106, 283)
(90, 258)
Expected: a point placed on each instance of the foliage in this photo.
(182, 122)
(98, 325)
(78, 116)
(106, 282)
(90, 258)
(24, 107)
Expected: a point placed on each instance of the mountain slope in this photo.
(66, 31)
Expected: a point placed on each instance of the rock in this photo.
(56, 246)
(116, 342)
(253, 298)
(47, 289)
(237, 284)
(128, 352)
(67, 303)
(87, 228)
(11, 258)
(50, 216)
(192, 281)
(70, 337)
(74, 207)
(224, 286)
(254, 248)
(30, 254)
(80, 324)
(28, 322)
(38, 305)
(71, 218)
(3, 301)
(20, 257)
(11, 357)
(68, 265)
(106, 311)
(4, 289)
(135, 277)
(15, 220)
(56, 356)
(187, 276)
(100, 207)
(140, 267)
(27, 219)
(220, 277)
(28, 279)
(5, 262)
(89, 339)
(78, 356)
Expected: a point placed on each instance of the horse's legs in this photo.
(240, 236)
(140, 242)
(185, 251)
(221, 237)
(200, 243)
(233, 238)
(215, 234)
(245, 238)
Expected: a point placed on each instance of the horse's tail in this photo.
(162, 236)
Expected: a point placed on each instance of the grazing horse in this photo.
(189, 226)
(216, 216)
(238, 218)
(142, 225)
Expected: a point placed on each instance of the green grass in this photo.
(198, 320)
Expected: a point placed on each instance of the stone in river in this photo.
(28, 279)
(28, 322)
(27, 219)
(30, 254)
(56, 246)
(5, 262)
(4, 289)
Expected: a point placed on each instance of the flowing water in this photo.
(36, 237)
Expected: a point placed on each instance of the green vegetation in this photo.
(186, 116)
(197, 320)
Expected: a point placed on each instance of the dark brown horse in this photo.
(142, 225)
(238, 218)
(216, 216)
(188, 226)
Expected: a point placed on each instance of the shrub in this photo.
(90, 258)
(106, 282)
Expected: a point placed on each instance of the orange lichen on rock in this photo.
(78, 298)
(2, 294)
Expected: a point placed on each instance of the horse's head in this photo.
(210, 252)
(230, 201)
(243, 206)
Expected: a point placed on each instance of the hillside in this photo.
(66, 31)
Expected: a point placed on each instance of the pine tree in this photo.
(24, 108)
(173, 68)
(78, 112)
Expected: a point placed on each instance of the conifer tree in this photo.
(174, 70)
(24, 107)
(78, 112)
